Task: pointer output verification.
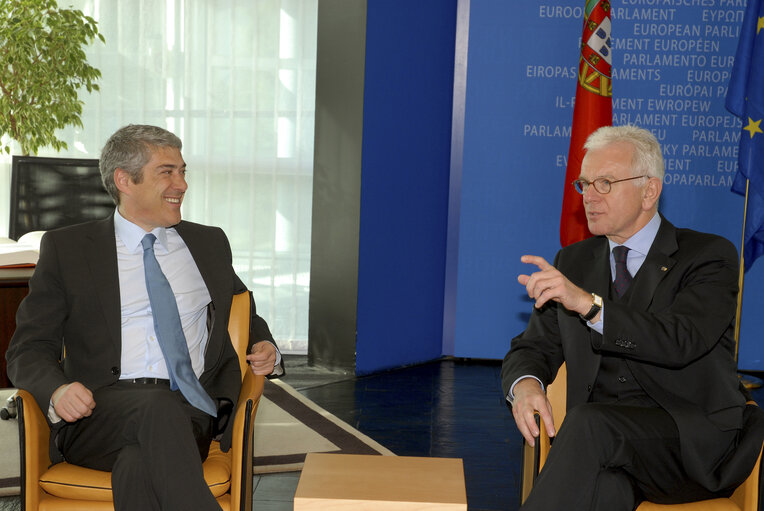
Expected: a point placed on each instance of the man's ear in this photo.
(652, 192)
(122, 180)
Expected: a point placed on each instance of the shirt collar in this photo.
(643, 238)
(131, 234)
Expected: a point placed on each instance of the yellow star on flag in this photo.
(760, 25)
(753, 127)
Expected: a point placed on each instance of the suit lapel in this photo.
(101, 256)
(202, 254)
(657, 265)
(598, 281)
(209, 266)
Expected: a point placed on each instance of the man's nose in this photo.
(591, 193)
(179, 182)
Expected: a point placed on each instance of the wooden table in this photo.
(14, 286)
(366, 483)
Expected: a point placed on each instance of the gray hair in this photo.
(647, 158)
(129, 149)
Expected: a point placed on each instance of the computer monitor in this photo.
(47, 193)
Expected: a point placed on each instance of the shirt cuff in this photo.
(52, 415)
(511, 395)
(277, 371)
(599, 326)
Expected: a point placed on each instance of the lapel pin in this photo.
(663, 268)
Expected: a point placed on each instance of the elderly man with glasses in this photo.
(643, 314)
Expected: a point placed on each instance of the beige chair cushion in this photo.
(80, 483)
(74, 482)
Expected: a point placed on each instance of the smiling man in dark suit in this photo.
(643, 314)
(126, 397)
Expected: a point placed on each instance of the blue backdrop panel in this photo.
(404, 181)
(670, 70)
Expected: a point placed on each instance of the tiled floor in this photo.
(449, 408)
(274, 492)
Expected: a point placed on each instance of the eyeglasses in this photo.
(601, 184)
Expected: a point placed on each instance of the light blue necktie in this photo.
(170, 332)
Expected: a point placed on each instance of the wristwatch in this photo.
(596, 307)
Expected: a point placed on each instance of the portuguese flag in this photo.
(593, 109)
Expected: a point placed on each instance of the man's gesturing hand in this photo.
(73, 401)
(549, 284)
(530, 398)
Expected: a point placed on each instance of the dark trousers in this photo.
(151, 440)
(610, 457)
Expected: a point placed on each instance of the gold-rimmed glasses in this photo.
(601, 184)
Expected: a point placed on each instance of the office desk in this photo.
(14, 286)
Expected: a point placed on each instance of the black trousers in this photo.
(151, 440)
(610, 457)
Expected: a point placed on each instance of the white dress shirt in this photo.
(141, 353)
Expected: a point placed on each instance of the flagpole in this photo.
(741, 278)
(747, 381)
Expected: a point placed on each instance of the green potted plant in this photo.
(42, 67)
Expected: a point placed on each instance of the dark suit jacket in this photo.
(675, 332)
(74, 303)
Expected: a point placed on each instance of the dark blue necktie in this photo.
(169, 331)
(622, 275)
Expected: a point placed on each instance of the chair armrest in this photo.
(529, 468)
(533, 459)
(238, 327)
(544, 443)
(747, 496)
(34, 442)
(241, 446)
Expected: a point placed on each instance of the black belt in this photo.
(146, 381)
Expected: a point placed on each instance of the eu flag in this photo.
(745, 99)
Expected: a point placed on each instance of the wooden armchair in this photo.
(745, 498)
(69, 487)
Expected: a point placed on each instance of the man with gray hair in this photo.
(643, 315)
(140, 301)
